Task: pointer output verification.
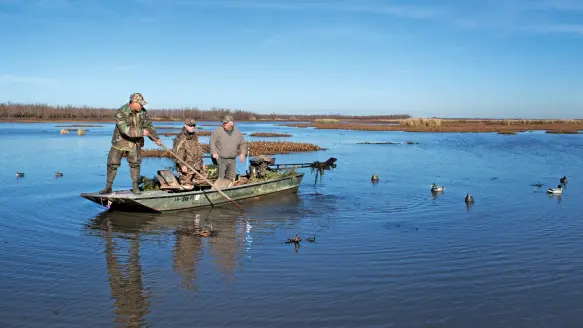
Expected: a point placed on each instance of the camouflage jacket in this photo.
(129, 128)
(187, 148)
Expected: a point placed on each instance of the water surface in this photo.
(389, 254)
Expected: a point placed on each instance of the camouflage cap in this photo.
(138, 98)
(228, 119)
(190, 122)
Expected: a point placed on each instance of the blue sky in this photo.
(489, 58)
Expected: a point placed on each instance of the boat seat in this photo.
(168, 180)
(222, 183)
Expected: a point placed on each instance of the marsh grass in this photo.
(421, 121)
(198, 133)
(269, 134)
(255, 148)
(326, 121)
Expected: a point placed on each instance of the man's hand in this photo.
(145, 133)
(203, 167)
(215, 155)
(159, 142)
(241, 158)
(183, 168)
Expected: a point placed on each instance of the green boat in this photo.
(172, 197)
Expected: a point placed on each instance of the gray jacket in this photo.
(228, 145)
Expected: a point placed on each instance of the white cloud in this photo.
(7, 78)
(558, 28)
(405, 11)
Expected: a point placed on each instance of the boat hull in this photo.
(161, 201)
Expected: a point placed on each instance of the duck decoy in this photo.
(564, 180)
(469, 198)
(295, 240)
(374, 177)
(59, 174)
(558, 190)
(437, 188)
(311, 239)
(19, 174)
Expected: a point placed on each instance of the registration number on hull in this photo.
(184, 199)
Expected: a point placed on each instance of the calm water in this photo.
(386, 255)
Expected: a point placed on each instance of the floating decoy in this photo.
(59, 174)
(564, 180)
(469, 198)
(19, 174)
(294, 240)
(437, 188)
(311, 239)
(558, 190)
(374, 177)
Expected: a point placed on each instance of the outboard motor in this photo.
(259, 165)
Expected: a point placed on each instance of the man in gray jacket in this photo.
(226, 143)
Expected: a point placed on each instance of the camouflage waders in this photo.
(114, 161)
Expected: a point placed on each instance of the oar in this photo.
(203, 177)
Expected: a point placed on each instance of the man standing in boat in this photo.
(226, 143)
(187, 148)
(132, 124)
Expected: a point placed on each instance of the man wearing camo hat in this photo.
(226, 143)
(132, 124)
(187, 148)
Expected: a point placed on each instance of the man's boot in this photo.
(110, 177)
(135, 173)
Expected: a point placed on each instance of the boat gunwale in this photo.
(159, 194)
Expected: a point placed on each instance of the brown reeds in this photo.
(255, 148)
(198, 133)
(459, 126)
(507, 132)
(269, 134)
(420, 121)
(167, 127)
(326, 121)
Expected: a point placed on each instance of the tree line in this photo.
(19, 111)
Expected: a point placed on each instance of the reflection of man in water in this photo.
(226, 245)
(127, 288)
(187, 254)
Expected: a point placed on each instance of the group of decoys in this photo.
(21, 174)
(436, 188)
(559, 189)
(296, 240)
(469, 199)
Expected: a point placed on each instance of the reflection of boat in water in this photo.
(132, 238)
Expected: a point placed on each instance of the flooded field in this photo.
(387, 254)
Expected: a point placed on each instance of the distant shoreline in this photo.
(501, 126)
